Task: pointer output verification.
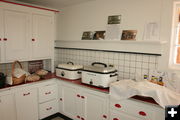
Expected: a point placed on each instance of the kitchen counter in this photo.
(78, 82)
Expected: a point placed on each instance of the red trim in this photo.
(29, 6)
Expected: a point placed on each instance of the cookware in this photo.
(69, 71)
(99, 74)
(2, 80)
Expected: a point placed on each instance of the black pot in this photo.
(2, 80)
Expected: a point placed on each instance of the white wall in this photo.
(92, 16)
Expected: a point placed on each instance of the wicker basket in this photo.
(15, 79)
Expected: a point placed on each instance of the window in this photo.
(175, 44)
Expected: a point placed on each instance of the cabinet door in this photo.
(69, 101)
(27, 104)
(95, 107)
(1, 35)
(42, 38)
(7, 108)
(60, 98)
(16, 29)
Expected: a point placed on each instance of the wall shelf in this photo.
(147, 47)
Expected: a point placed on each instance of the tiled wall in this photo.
(129, 65)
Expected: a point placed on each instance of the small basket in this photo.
(15, 79)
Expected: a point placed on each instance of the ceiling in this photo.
(53, 3)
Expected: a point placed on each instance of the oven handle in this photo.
(114, 75)
(99, 63)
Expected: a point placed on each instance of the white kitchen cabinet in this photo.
(16, 35)
(48, 108)
(95, 107)
(60, 97)
(136, 109)
(7, 107)
(48, 92)
(82, 104)
(123, 116)
(69, 101)
(27, 104)
(1, 34)
(26, 33)
(48, 102)
(42, 36)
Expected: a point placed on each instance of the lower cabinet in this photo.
(48, 108)
(7, 107)
(69, 105)
(95, 107)
(135, 110)
(82, 104)
(27, 104)
(123, 116)
(48, 103)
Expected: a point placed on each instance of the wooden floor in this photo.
(57, 118)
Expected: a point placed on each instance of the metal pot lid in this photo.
(70, 66)
(99, 68)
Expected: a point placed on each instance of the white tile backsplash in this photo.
(127, 64)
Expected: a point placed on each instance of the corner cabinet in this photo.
(25, 33)
(82, 104)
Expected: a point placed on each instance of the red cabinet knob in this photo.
(117, 105)
(115, 119)
(104, 116)
(78, 116)
(0, 39)
(142, 113)
(82, 97)
(78, 95)
(60, 99)
(49, 108)
(5, 39)
(47, 93)
(25, 94)
(33, 39)
(82, 119)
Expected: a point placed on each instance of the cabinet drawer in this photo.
(123, 116)
(48, 108)
(47, 93)
(131, 107)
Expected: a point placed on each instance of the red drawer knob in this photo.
(47, 93)
(104, 116)
(78, 95)
(115, 119)
(0, 39)
(60, 99)
(33, 39)
(117, 105)
(82, 97)
(5, 39)
(78, 116)
(142, 113)
(25, 94)
(82, 119)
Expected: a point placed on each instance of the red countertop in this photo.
(78, 82)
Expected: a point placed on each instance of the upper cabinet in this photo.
(42, 36)
(26, 33)
(16, 35)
